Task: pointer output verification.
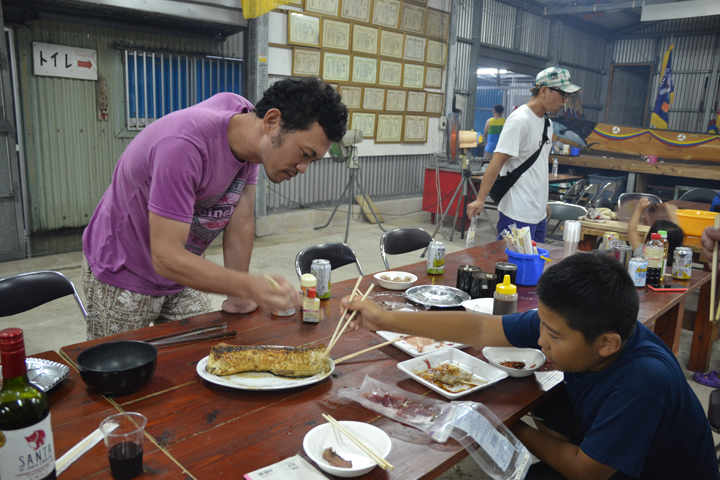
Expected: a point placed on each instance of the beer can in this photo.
(610, 239)
(682, 263)
(637, 268)
(622, 253)
(436, 258)
(320, 269)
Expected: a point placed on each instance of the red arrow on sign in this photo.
(84, 64)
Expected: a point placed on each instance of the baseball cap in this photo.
(556, 77)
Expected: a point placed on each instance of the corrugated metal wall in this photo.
(534, 34)
(70, 155)
(692, 65)
(498, 24)
(575, 48)
(324, 182)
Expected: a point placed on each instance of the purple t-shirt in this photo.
(179, 167)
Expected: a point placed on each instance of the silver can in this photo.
(436, 258)
(682, 263)
(320, 269)
(637, 268)
(622, 253)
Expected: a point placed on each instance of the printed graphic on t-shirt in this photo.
(211, 216)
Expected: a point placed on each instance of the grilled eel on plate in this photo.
(227, 359)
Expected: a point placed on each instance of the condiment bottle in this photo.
(506, 297)
(666, 246)
(24, 417)
(654, 254)
(311, 307)
(306, 281)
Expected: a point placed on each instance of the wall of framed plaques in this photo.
(387, 59)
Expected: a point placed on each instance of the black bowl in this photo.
(117, 368)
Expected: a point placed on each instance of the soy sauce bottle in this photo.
(25, 430)
(654, 249)
(506, 297)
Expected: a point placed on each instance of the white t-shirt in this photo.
(520, 138)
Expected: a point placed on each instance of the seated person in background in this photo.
(715, 205)
(675, 234)
(626, 410)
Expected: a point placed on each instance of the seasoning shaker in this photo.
(506, 297)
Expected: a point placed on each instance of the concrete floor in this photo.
(59, 323)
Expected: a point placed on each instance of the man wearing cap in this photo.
(525, 203)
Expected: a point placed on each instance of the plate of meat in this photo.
(452, 373)
(265, 367)
(417, 346)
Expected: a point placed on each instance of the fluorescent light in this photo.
(669, 11)
(490, 71)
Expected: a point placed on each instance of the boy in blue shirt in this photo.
(626, 411)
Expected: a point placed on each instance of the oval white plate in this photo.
(259, 380)
(530, 356)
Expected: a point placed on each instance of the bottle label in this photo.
(27, 453)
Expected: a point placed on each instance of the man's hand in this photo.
(273, 297)
(475, 207)
(709, 237)
(369, 315)
(239, 305)
(549, 213)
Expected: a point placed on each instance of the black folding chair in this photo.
(338, 253)
(403, 240)
(25, 291)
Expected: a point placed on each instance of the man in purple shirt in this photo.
(184, 179)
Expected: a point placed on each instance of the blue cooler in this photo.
(529, 267)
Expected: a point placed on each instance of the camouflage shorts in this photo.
(112, 310)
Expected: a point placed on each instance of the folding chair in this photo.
(338, 253)
(403, 240)
(564, 211)
(25, 291)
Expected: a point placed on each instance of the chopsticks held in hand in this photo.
(382, 463)
(353, 355)
(335, 338)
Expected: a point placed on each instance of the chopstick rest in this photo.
(78, 450)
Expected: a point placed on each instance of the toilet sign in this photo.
(61, 61)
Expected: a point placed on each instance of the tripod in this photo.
(462, 187)
(354, 167)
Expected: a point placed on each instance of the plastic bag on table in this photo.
(470, 238)
(488, 441)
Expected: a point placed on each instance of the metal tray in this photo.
(440, 296)
(45, 374)
(396, 301)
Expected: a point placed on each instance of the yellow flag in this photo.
(255, 8)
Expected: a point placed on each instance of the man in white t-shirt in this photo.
(525, 204)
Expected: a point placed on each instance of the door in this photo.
(12, 234)
(628, 94)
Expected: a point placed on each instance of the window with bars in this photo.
(158, 84)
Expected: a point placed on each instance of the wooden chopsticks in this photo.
(335, 337)
(353, 355)
(381, 462)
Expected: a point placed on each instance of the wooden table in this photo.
(199, 430)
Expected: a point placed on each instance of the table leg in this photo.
(703, 333)
(669, 326)
(432, 218)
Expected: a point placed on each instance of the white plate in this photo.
(392, 285)
(413, 350)
(480, 370)
(259, 380)
(326, 436)
(530, 356)
(479, 305)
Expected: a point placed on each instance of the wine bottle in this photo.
(27, 451)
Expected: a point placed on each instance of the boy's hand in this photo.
(709, 236)
(369, 315)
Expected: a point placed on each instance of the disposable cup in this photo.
(124, 434)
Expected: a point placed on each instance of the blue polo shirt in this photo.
(639, 415)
